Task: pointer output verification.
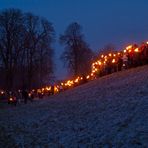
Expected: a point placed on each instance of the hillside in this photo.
(111, 111)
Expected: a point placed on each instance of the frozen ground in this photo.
(109, 112)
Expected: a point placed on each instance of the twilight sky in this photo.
(119, 22)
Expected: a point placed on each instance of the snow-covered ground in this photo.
(108, 112)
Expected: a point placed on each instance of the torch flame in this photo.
(136, 50)
(113, 61)
(129, 47)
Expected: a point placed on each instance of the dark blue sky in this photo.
(119, 22)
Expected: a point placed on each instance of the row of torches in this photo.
(113, 57)
(102, 61)
(60, 87)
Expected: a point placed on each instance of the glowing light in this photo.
(102, 56)
(88, 77)
(39, 91)
(76, 81)
(56, 90)
(11, 99)
(136, 50)
(110, 54)
(48, 88)
(99, 63)
(129, 47)
(93, 67)
(130, 50)
(124, 51)
(29, 94)
(2, 92)
(113, 61)
(95, 70)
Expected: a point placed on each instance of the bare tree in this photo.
(45, 53)
(11, 29)
(39, 53)
(25, 49)
(77, 53)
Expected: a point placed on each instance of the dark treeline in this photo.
(25, 50)
(26, 53)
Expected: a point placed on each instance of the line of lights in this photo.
(103, 60)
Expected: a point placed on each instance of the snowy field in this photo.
(108, 112)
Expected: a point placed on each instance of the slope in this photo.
(111, 111)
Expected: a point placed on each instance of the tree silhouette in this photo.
(26, 55)
(77, 54)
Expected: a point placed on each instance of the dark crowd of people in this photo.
(25, 96)
(16, 97)
(132, 56)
